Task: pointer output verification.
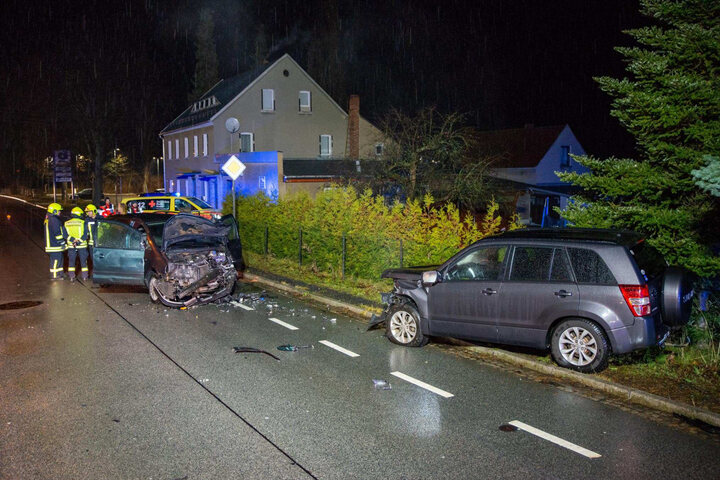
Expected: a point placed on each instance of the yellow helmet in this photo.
(90, 208)
(77, 211)
(54, 208)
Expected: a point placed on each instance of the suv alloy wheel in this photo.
(580, 345)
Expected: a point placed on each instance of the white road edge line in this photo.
(241, 305)
(339, 348)
(424, 385)
(555, 440)
(286, 325)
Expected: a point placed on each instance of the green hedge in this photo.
(377, 236)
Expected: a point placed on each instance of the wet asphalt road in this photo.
(101, 383)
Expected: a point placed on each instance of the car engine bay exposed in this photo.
(195, 276)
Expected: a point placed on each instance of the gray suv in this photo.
(582, 293)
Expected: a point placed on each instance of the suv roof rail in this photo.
(619, 237)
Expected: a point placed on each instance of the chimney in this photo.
(354, 127)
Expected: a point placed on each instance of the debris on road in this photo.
(506, 427)
(381, 384)
(293, 348)
(253, 350)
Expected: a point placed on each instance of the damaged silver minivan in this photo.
(183, 260)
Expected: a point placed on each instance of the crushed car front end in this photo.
(200, 267)
(407, 287)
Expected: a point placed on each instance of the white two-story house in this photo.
(282, 115)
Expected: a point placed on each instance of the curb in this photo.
(633, 395)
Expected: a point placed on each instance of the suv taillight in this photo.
(637, 298)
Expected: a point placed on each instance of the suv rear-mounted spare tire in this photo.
(676, 297)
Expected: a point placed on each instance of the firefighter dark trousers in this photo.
(56, 265)
(82, 254)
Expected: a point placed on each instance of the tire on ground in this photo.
(580, 345)
(676, 298)
(403, 326)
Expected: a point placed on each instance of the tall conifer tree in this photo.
(670, 103)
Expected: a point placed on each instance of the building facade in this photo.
(279, 112)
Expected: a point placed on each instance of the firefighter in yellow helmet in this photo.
(77, 241)
(55, 236)
(91, 225)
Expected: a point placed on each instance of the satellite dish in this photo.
(232, 125)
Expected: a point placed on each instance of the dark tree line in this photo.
(93, 75)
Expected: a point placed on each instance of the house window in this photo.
(565, 156)
(379, 147)
(268, 100)
(187, 150)
(169, 152)
(195, 146)
(177, 148)
(247, 142)
(304, 101)
(204, 144)
(325, 145)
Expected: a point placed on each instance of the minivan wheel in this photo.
(403, 326)
(580, 345)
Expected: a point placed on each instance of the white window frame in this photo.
(169, 152)
(252, 141)
(262, 100)
(307, 107)
(330, 145)
(205, 143)
(187, 147)
(196, 152)
(177, 149)
(379, 149)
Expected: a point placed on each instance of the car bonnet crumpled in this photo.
(188, 227)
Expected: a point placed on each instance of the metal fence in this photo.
(358, 255)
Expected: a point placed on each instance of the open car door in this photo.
(234, 243)
(118, 255)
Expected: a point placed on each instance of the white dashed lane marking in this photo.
(286, 325)
(339, 348)
(555, 440)
(424, 385)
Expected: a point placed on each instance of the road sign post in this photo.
(234, 168)
(62, 166)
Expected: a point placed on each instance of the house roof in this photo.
(517, 147)
(224, 91)
(326, 168)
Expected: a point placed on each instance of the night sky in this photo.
(75, 70)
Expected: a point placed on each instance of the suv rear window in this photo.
(649, 260)
(590, 268)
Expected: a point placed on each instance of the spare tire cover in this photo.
(676, 297)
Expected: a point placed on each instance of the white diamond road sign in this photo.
(233, 167)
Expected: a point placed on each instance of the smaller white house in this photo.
(525, 161)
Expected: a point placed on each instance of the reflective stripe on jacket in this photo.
(55, 234)
(91, 228)
(77, 235)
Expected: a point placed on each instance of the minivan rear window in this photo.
(649, 260)
(590, 268)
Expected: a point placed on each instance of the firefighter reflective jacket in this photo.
(91, 228)
(77, 234)
(55, 234)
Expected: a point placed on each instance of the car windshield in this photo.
(156, 230)
(200, 203)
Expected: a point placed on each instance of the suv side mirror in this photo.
(430, 278)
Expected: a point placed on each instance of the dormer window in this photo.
(204, 103)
